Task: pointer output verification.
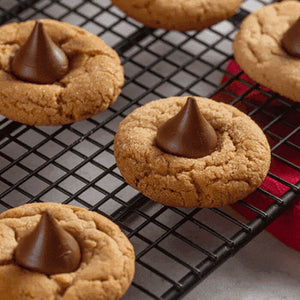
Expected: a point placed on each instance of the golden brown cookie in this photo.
(107, 257)
(230, 173)
(258, 49)
(179, 15)
(92, 84)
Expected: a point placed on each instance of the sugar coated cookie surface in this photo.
(91, 85)
(179, 14)
(107, 258)
(230, 173)
(258, 48)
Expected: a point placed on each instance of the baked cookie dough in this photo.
(91, 85)
(107, 257)
(258, 50)
(230, 173)
(179, 15)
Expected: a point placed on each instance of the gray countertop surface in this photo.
(264, 270)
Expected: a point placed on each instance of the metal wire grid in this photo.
(74, 164)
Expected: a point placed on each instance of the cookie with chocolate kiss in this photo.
(48, 249)
(267, 48)
(40, 60)
(188, 133)
(56, 251)
(54, 73)
(232, 166)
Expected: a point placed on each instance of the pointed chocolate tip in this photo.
(188, 133)
(48, 249)
(46, 217)
(38, 26)
(40, 60)
(190, 98)
(191, 101)
(291, 40)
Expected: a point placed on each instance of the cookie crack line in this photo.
(263, 32)
(6, 262)
(114, 75)
(65, 290)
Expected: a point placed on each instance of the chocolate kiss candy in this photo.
(187, 134)
(291, 40)
(48, 249)
(39, 60)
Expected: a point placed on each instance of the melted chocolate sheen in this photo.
(48, 249)
(187, 134)
(39, 60)
(291, 40)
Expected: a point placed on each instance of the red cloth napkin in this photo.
(287, 227)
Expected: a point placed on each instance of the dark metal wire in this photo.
(153, 61)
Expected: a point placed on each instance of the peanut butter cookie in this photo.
(179, 15)
(107, 258)
(232, 171)
(259, 50)
(91, 84)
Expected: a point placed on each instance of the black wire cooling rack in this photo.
(74, 164)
